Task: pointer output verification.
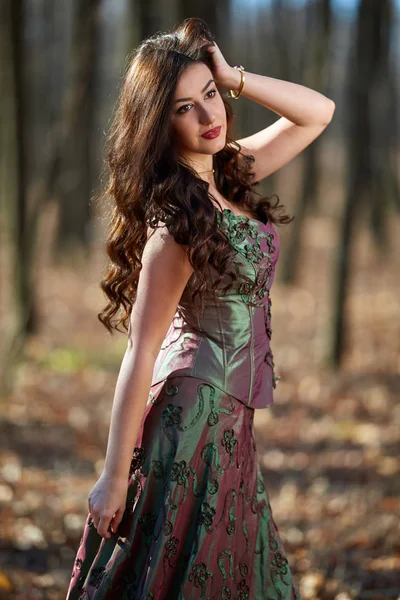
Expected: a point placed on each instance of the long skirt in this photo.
(198, 523)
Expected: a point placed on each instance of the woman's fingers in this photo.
(103, 501)
(117, 518)
(103, 525)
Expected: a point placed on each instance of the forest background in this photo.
(329, 446)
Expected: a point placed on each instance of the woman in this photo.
(180, 510)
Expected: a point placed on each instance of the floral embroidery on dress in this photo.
(171, 546)
(147, 523)
(97, 576)
(229, 442)
(206, 516)
(180, 473)
(78, 563)
(172, 415)
(137, 460)
(243, 590)
(190, 481)
(199, 574)
(239, 229)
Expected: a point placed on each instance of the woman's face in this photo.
(197, 107)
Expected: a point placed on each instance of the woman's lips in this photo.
(212, 133)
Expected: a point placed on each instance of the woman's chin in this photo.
(217, 145)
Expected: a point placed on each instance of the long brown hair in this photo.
(147, 184)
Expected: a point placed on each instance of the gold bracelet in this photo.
(233, 94)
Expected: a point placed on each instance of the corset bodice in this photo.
(229, 343)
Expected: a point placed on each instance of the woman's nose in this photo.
(207, 117)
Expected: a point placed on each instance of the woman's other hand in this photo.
(107, 502)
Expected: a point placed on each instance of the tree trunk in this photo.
(363, 70)
(315, 76)
(75, 185)
(22, 320)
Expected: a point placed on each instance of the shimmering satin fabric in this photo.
(229, 344)
(198, 523)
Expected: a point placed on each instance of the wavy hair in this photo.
(148, 184)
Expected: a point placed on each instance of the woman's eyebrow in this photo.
(203, 90)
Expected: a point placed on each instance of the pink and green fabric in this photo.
(198, 523)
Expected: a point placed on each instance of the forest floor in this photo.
(328, 447)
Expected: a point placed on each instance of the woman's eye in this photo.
(184, 106)
(181, 109)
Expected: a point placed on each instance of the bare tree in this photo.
(365, 189)
(315, 75)
(13, 200)
(75, 151)
(384, 129)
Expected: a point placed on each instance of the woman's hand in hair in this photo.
(223, 73)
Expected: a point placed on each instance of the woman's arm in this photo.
(300, 105)
(165, 272)
(304, 112)
(130, 397)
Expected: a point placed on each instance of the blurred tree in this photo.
(143, 18)
(14, 200)
(150, 17)
(132, 26)
(367, 183)
(282, 18)
(50, 72)
(384, 117)
(146, 18)
(206, 10)
(315, 75)
(74, 146)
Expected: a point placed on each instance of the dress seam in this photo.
(251, 354)
(223, 344)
